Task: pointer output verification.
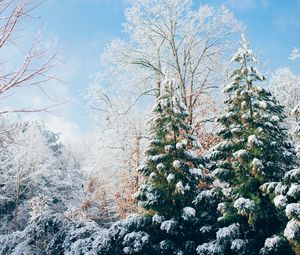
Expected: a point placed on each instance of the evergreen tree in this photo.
(172, 168)
(172, 223)
(286, 197)
(254, 151)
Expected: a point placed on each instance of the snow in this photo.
(281, 188)
(142, 168)
(253, 141)
(188, 213)
(245, 116)
(157, 219)
(263, 104)
(179, 188)
(271, 244)
(152, 175)
(240, 154)
(135, 241)
(293, 210)
(244, 206)
(207, 196)
(196, 171)
(294, 191)
(168, 148)
(292, 175)
(257, 164)
(229, 87)
(218, 172)
(187, 187)
(238, 245)
(275, 118)
(169, 226)
(228, 233)
(244, 105)
(179, 146)
(160, 167)
(292, 230)
(221, 207)
(280, 201)
(205, 229)
(170, 178)
(38, 206)
(156, 158)
(212, 248)
(177, 164)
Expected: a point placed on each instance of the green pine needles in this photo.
(254, 150)
(172, 167)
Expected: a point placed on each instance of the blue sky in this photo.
(84, 27)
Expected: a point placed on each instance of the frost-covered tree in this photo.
(286, 195)
(54, 234)
(254, 150)
(171, 167)
(172, 223)
(162, 34)
(285, 85)
(33, 163)
(190, 41)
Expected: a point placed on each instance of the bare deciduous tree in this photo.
(167, 36)
(37, 61)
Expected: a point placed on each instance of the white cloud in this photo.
(294, 54)
(69, 131)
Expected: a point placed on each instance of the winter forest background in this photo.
(193, 146)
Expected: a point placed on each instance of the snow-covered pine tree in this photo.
(286, 197)
(172, 223)
(254, 150)
(172, 168)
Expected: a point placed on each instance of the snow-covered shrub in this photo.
(53, 234)
(239, 246)
(276, 245)
(228, 234)
(244, 206)
(38, 206)
(135, 242)
(212, 248)
(170, 227)
(292, 230)
(293, 211)
(188, 213)
(294, 191)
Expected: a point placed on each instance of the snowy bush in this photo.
(135, 242)
(239, 246)
(294, 191)
(293, 211)
(212, 248)
(188, 213)
(292, 175)
(38, 206)
(275, 245)
(244, 206)
(170, 227)
(228, 234)
(292, 230)
(280, 201)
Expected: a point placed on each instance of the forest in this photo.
(195, 149)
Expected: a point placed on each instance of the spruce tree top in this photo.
(254, 150)
(255, 143)
(172, 168)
